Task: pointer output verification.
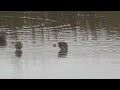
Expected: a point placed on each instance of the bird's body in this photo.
(64, 49)
(63, 45)
(18, 45)
(2, 38)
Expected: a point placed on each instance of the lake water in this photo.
(93, 40)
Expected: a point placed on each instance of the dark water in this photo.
(93, 40)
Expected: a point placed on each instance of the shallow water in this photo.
(93, 45)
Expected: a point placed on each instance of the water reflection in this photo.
(62, 53)
(18, 53)
(93, 37)
(93, 22)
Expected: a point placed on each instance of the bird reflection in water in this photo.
(63, 49)
(62, 53)
(18, 53)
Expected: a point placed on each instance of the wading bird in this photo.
(18, 45)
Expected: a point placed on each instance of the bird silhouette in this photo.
(2, 38)
(64, 49)
(18, 45)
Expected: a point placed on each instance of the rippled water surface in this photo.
(93, 40)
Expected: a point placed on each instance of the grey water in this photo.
(93, 39)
